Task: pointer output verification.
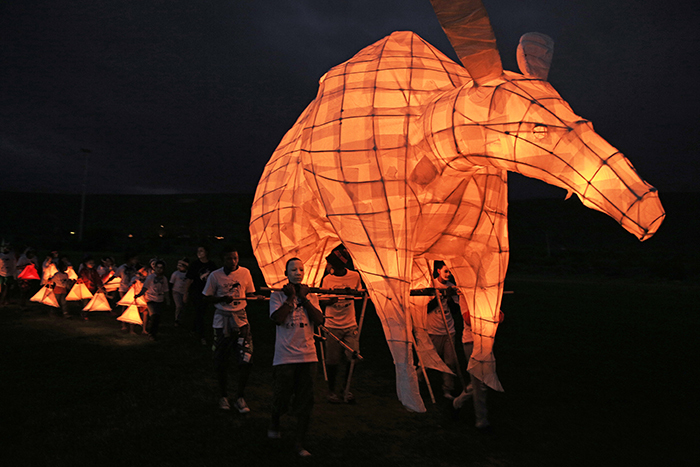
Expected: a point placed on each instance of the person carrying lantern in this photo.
(155, 288)
(441, 326)
(89, 276)
(341, 321)
(295, 311)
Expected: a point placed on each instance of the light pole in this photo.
(82, 198)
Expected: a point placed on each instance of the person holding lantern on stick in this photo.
(341, 321)
(156, 289)
(441, 326)
(295, 311)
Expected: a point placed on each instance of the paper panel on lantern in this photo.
(71, 273)
(49, 271)
(128, 298)
(113, 285)
(46, 296)
(29, 273)
(79, 291)
(131, 315)
(98, 302)
(39, 296)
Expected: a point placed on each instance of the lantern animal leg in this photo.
(390, 296)
(480, 280)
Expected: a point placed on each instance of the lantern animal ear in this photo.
(467, 26)
(535, 55)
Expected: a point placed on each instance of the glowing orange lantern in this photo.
(98, 302)
(49, 270)
(71, 273)
(128, 298)
(46, 296)
(403, 158)
(131, 315)
(113, 284)
(78, 292)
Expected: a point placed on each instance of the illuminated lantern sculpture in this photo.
(79, 291)
(46, 296)
(49, 271)
(403, 157)
(131, 315)
(111, 283)
(29, 273)
(128, 298)
(71, 273)
(98, 302)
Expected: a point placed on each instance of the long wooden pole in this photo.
(450, 338)
(352, 362)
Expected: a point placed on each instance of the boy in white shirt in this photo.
(231, 328)
(178, 284)
(156, 289)
(295, 311)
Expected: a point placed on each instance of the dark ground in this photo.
(597, 371)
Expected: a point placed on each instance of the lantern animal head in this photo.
(403, 157)
(521, 124)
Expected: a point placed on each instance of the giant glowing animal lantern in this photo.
(403, 158)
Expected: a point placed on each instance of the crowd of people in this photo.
(139, 294)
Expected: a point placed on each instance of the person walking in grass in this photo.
(341, 321)
(295, 311)
(61, 284)
(155, 288)
(126, 272)
(89, 276)
(178, 285)
(231, 328)
(197, 275)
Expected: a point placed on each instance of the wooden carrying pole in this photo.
(438, 296)
(346, 392)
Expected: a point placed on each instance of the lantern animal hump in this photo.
(400, 70)
(395, 76)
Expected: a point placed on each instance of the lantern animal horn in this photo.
(468, 28)
(535, 52)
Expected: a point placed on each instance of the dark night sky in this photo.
(193, 96)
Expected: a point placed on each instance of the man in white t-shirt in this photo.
(231, 328)
(295, 311)
(340, 320)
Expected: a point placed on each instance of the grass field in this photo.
(596, 371)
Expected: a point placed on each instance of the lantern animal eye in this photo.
(539, 131)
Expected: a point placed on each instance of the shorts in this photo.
(334, 351)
